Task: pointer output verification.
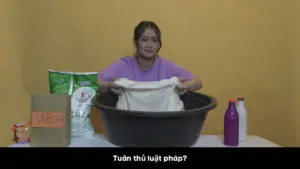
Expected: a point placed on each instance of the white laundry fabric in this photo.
(157, 96)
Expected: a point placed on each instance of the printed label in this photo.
(83, 94)
(47, 119)
(85, 83)
(81, 128)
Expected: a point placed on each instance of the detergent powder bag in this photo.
(82, 87)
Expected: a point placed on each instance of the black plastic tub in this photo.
(159, 129)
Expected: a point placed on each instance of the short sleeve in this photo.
(179, 71)
(113, 71)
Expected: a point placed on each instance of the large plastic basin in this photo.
(160, 129)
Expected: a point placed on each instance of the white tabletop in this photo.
(203, 141)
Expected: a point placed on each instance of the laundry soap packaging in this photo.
(50, 120)
(82, 87)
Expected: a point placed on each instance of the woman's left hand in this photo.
(182, 87)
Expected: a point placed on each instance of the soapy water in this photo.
(150, 158)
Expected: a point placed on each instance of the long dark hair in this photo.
(140, 29)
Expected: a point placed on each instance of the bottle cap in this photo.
(240, 98)
(232, 100)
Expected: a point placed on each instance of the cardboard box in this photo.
(50, 120)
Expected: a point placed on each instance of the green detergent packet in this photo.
(82, 86)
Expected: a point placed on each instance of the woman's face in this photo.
(148, 44)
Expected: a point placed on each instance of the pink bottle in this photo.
(231, 125)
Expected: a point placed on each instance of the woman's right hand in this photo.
(114, 87)
(105, 86)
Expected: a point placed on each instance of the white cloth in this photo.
(157, 96)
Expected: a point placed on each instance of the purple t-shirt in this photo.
(127, 67)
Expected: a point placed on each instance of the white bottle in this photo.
(243, 118)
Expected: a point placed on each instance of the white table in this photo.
(203, 141)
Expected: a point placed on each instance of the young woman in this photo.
(146, 65)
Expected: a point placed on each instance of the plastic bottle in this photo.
(231, 125)
(242, 111)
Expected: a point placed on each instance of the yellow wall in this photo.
(296, 72)
(14, 99)
(238, 48)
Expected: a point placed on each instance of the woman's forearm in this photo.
(194, 84)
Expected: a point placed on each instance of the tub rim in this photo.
(208, 107)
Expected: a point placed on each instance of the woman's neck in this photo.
(145, 64)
